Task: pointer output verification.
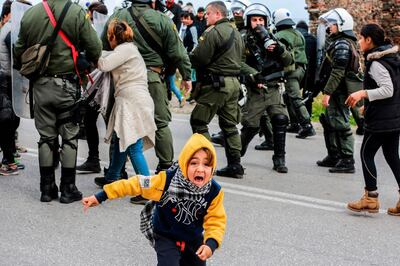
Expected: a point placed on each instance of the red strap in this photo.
(63, 36)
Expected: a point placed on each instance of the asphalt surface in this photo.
(297, 218)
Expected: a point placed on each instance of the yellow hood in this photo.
(196, 142)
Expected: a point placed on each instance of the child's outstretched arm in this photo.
(149, 187)
(214, 227)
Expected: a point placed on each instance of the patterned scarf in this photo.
(180, 188)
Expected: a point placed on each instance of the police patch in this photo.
(144, 181)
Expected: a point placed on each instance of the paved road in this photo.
(297, 218)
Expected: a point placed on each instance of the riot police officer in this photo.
(294, 74)
(268, 56)
(217, 60)
(56, 92)
(339, 75)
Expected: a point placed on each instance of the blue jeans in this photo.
(135, 153)
(173, 88)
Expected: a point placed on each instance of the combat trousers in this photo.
(224, 103)
(162, 116)
(53, 96)
(338, 134)
(294, 97)
(260, 101)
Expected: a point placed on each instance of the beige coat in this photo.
(132, 117)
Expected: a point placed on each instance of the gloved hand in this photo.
(278, 49)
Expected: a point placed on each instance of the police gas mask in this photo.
(264, 36)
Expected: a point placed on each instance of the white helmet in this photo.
(340, 17)
(239, 5)
(228, 5)
(256, 10)
(282, 16)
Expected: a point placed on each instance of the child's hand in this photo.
(89, 202)
(204, 252)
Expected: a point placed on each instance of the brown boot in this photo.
(368, 203)
(395, 211)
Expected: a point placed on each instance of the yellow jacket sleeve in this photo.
(215, 219)
(149, 187)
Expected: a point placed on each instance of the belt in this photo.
(158, 69)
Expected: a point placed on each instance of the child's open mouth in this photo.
(198, 178)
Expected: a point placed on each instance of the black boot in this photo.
(92, 165)
(69, 192)
(328, 161)
(231, 170)
(48, 186)
(279, 164)
(344, 166)
(279, 125)
(306, 130)
(218, 138)
(293, 128)
(265, 146)
(247, 134)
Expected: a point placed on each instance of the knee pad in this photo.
(69, 143)
(280, 120)
(51, 143)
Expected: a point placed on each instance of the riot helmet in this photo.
(228, 5)
(256, 9)
(339, 17)
(281, 17)
(239, 6)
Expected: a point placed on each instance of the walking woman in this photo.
(382, 113)
(131, 121)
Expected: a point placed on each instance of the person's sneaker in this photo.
(20, 149)
(368, 203)
(293, 128)
(231, 170)
(344, 166)
(265, 146)
(138, 200)
(9, 169)
(306, 131)
(90, 166)
(328, 161)
(394, 211)
(102, 181)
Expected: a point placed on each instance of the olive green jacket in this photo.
(294, 41)
(37, 28)
(173, 48)
(210, 43)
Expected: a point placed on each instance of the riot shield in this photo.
(321, 39)
(99, 21)
(20, 85)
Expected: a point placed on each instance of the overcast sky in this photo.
(295, 6)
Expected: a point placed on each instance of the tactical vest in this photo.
(383, 115)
